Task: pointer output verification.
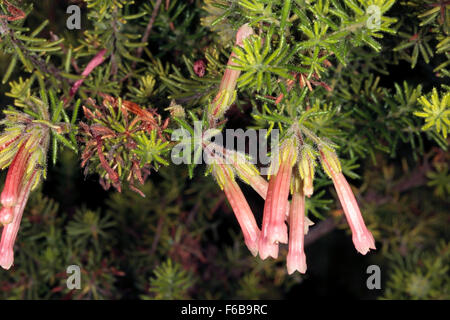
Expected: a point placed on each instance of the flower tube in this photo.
(296, 259)
(226, 93)
(241, 209)
(361, 236)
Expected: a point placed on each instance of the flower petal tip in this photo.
(296, 262)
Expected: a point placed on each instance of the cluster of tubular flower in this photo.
(291, 177)
(22, 148)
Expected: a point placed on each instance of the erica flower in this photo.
(296, 259)
(24, 147)
(244, 215)
(10, 193)
(274, 229)
(361, 236)
(227, 87)
(96, 61)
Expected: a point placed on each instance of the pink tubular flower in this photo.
(227, 87)
(10, 230)
(274, 229)
(14, 177)
(361, 236)
(265, 247)
(23, 148)
(240, 207)
(296, 259)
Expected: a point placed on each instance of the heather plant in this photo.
(129, 138)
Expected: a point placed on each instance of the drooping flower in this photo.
(274, 229)
(6, 215)
(361, 236)
(22, 175)
(10, 230)
(296, 259)
(225, 178)
(96, 61)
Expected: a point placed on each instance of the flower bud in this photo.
(274, 229)
(176, 110)
(296, 259)
(241, 209)
(6, 215)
